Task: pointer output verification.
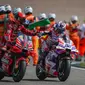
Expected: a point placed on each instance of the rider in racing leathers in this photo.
(52, 40)
(13, 27)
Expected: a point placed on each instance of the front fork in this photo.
(16, 63)
(60, 61)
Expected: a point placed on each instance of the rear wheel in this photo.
(40, 71)
(64, 69)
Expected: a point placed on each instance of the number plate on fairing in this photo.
(68, 46)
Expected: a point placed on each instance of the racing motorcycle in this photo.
(14, 64)
(57, 63)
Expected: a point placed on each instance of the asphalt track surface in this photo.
(63, 9)
(77, 77)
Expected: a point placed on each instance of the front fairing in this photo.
(62, 46)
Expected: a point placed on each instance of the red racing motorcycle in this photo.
(13, 62)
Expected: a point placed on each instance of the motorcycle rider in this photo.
(17, 13)
(12, 43)
(31, 18)
(73, 28)
(52, 40)
(11, 36)
(58, 31)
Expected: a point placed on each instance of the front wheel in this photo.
(64, 69)
(20, 71)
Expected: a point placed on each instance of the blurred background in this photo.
(64, 9)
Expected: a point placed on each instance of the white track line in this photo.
(78, 68)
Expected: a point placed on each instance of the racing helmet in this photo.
(51, 16)
(28, 10)
(16, 10)
(42, 16)
(8, 8)
(74, 19)
(2, 9)
(60, 27)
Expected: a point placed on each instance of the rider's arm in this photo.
(26, 31)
